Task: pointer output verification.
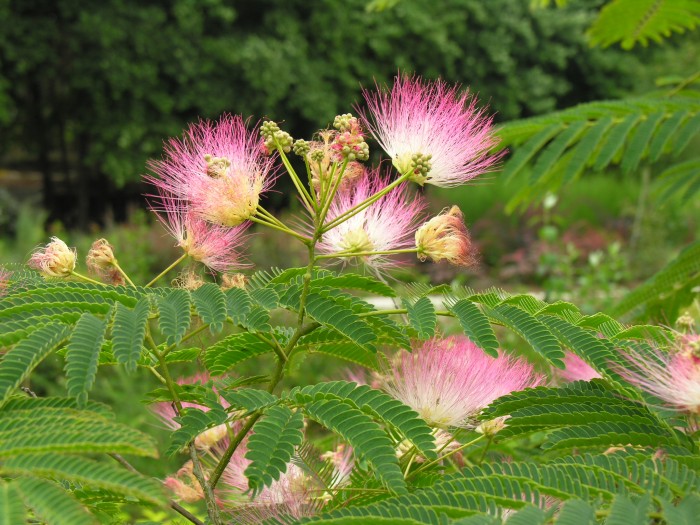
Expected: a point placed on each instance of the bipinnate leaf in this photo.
(391, 412)
(128, 332)
(52, 503)
(232, 350)
(363, 434)
(11, 507)
(422, 317)
(108, 476)
(175, 315)
(193, 422)
(17, 364)
(83, 355)
(271, 445)
(332, 311)
(475, 325)
(210, 304)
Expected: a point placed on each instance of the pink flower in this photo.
(214, 246)
(449, 381)
(54, 260)
(432, 130)
(4, 281)
(673, 377)
(576, 369)
(388, 224)
(219, 168)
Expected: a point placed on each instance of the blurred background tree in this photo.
(89, 90)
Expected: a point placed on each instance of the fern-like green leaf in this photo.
(476, 325)
(52, 503)
(354, 282)
(17, 364)
(523, 155)
(686, 512)
(615, 141)
(193, 422)
(530, 329)
(363, 434)
(11, 506)
(232, 350)
(249, 399)
(128, 331)
(271, 446)
(83, 354)
(625, 511)
(238, 303)
(584, 152)
(333, 311)
(399, 417)
(422, 317)
(75, 469)
(633, 21)
(682, 180)
(175, 315)
(639, 142)
(210, 303)
(576, 512)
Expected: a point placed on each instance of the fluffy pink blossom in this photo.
(576, 369)
(432, 130)
(673, 377)
(449, 381)
(215, 246)
(388, 224)
(219, 168)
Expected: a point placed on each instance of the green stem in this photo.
(486, 448)
(364, 204)
(123, 273)
(680, 87)
(161, 274)
(185, 338)
(398, 311)
(86, 278)
(305, 197)
(333, 185)
(210, 499)
(445, 456)
(284, 229)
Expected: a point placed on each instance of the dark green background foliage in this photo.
(89, 90)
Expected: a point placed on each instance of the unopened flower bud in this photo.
(420, 166)
(101, 255)
(492, 427)
(54, 260)
(301, 147)
(210, 437)
(235, 280)
(685, 322)
(317, 155)
(346, 122)
(4, 281)
(268, 129)
(445, 237)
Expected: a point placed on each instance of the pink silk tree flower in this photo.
(217, 247)
(387, 224)
(219, 168)
(446, 237)
(4, 281)
(432, 131)
(576, 369)
(55, 259)
(449, 381)
(673, 377)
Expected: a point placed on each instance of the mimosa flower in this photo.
(214, 246)
(185, 485)
(673, 377)
(445, 236)
(100, 256)
(449, 381)
(576, 369)
(4, 281)
(432, 131)
(219, 168)
(387, 224)
(54, 260)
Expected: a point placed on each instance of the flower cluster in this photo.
(55, 259)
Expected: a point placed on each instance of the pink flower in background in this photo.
(4, 281)
(215, 246)
(672, 377)
(55, 259)
(449, 381)
(576, 369)
(388, 224)
(432, 130)
(219, 168)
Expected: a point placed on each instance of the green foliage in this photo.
(53, 504)
(422, 317)
(664, 295)
(210, 303)
(82, 355)
(598, 135)
(633, 21)
(128, 332)
(271, 446)
(11, 507)
(175, 316)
